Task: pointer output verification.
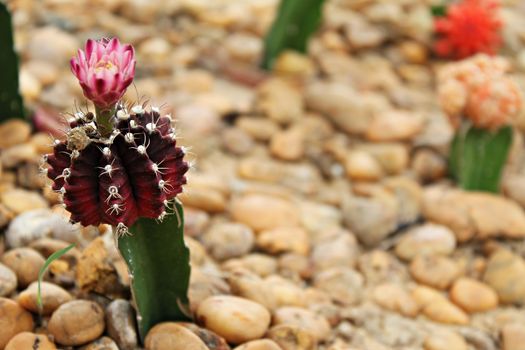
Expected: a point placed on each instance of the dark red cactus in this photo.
(133, 173)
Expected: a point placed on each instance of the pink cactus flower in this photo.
(104, 70)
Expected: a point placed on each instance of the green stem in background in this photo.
(159, 263)
(296, 21)
(104, 115)
(11, 103)
(477, 157)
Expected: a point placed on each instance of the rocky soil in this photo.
(318, 211)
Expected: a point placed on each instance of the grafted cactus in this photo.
(121, 166)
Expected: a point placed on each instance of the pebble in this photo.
(280, 101)
(434, 270)
(340, 249)
(428, 165)
(294, 64)
(395, 125)
(52, 297)
(13, 320)
(505, 273)
(121, 325)
(288, 145)
(443, 311)
(445, 340)
(228, 240)
(362, 166)
(237, 141)
(248, 285)
(314, 324)
(512, 336)
(292, 337)
(261, 129)
(474, 214)
(284, 240)
(393, 157)
(170, 335)
(30, 87)
(16, 155)
(103, 343)
(344, 285)
(25, 263)
(35, 224)
(286, 292)
(263, 212)
(236, 319)
(473, 296)
(45, 72)
(52, 45)
(261, 264)
(210, 339)
(28, 340)
(13, 132)
(395, 298)
(19, 200)
(8, 281)
(262, 344)
(203, 197)
(77, 322)
(426, 239)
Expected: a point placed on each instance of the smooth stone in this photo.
(228, 240)
(505, 273)
(212, 340)
(445, 340)
(292, 337)
(395, 298)
(28, 340)
(434, 270)
(474, 214)
(284, 240)
(52, 297)
(280, 101)
(261, 264)
(394, 125)
(205, 198)
(170, 335)
(427, 239)
(393, 156)
(52, 45)
(41, 223)
(13, 132)
(443, 311)
(237, 141)
(246, 284)
(362, 166)
(8, 281)
(236, 319)
(314, 324)
(344, 285)
(103, 343)
(338, 250)
(16, 155)
(288, 145)
(77, 322)
(428, 165)
(263, 212)
(286, 292)
(261, 129)
(294, 64)
(25, 263)
(473, 296)
(13, 320)
(20, 201)
(45, 72)
(121, 324)
(512, 336)
(261, 344)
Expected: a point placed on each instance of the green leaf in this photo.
(477, 157)
(11, 104)
(159, 263)
(296, 21)
(56, 255)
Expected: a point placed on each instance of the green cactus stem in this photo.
(158, 261)
(477, 157)
(296, 21)
(11, 104)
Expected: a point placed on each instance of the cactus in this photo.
(477, 157)
(159, 266)
(296, 21)
(11, 104)
(121, 166)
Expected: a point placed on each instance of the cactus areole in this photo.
(122, 163)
